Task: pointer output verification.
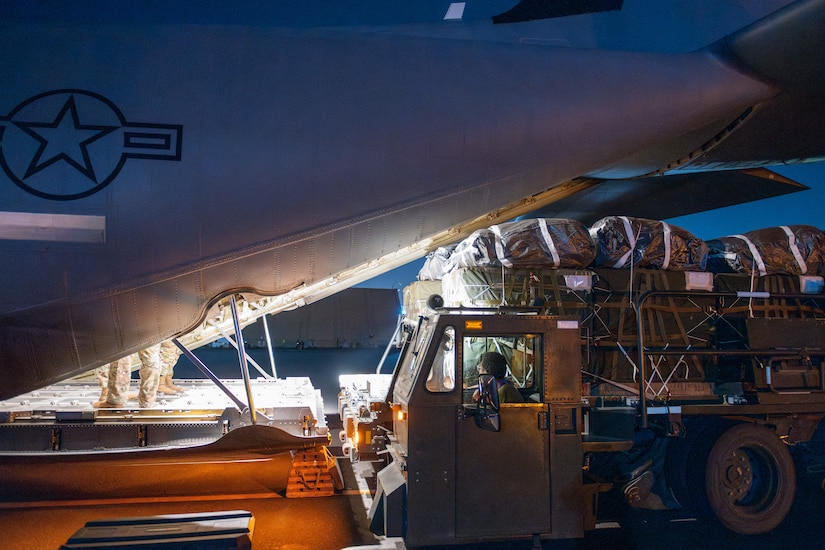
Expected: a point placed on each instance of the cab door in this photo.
(502, 478)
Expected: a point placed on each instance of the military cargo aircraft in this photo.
(157, 157)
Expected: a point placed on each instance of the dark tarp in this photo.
(532, 243)
(788, 249)
(622, 241)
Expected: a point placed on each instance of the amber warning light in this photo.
(400, 415)
(472, 325)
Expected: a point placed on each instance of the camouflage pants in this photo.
(115, 378)
(169, 354)
(150, 365)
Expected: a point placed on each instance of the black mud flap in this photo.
(388, 509)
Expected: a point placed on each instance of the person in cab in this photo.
(492, 375)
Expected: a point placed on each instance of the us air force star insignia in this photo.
(69, 144)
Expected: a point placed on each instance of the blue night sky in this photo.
(805, 207)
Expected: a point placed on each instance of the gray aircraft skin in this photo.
(158, 156)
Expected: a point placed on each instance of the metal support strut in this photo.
(269, 346)
(242, 359)
(208, 373)
(229, 338)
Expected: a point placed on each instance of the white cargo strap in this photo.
(629, 360)
(628, 229)
(549, 240)
(500, 247)
(545, 233)
(667, 237)
(803, 267)
(464, 254)
(757, 257)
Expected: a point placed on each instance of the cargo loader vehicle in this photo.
(670, 389)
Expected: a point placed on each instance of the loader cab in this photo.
(468, 480)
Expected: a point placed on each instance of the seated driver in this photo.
(492, 373)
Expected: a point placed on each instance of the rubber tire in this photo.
(685, 463)
(750, 479)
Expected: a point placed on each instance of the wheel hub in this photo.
(738, 475)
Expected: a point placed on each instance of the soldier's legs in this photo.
(150, 366)
(164, 385)
(120, 377)
(103, 381)
(169, 354)
(117, 383)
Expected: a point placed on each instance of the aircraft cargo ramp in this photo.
(61, 417)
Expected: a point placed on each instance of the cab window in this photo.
(412, 358)
(441, 377)
(523, 354)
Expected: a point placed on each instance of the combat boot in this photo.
(165, 388)
(103, 404)
(171, 384)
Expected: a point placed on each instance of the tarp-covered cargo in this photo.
(416, 296)
(557, 291)
(437, 264)
(533, 243)
(622, 241)
(787, 249)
